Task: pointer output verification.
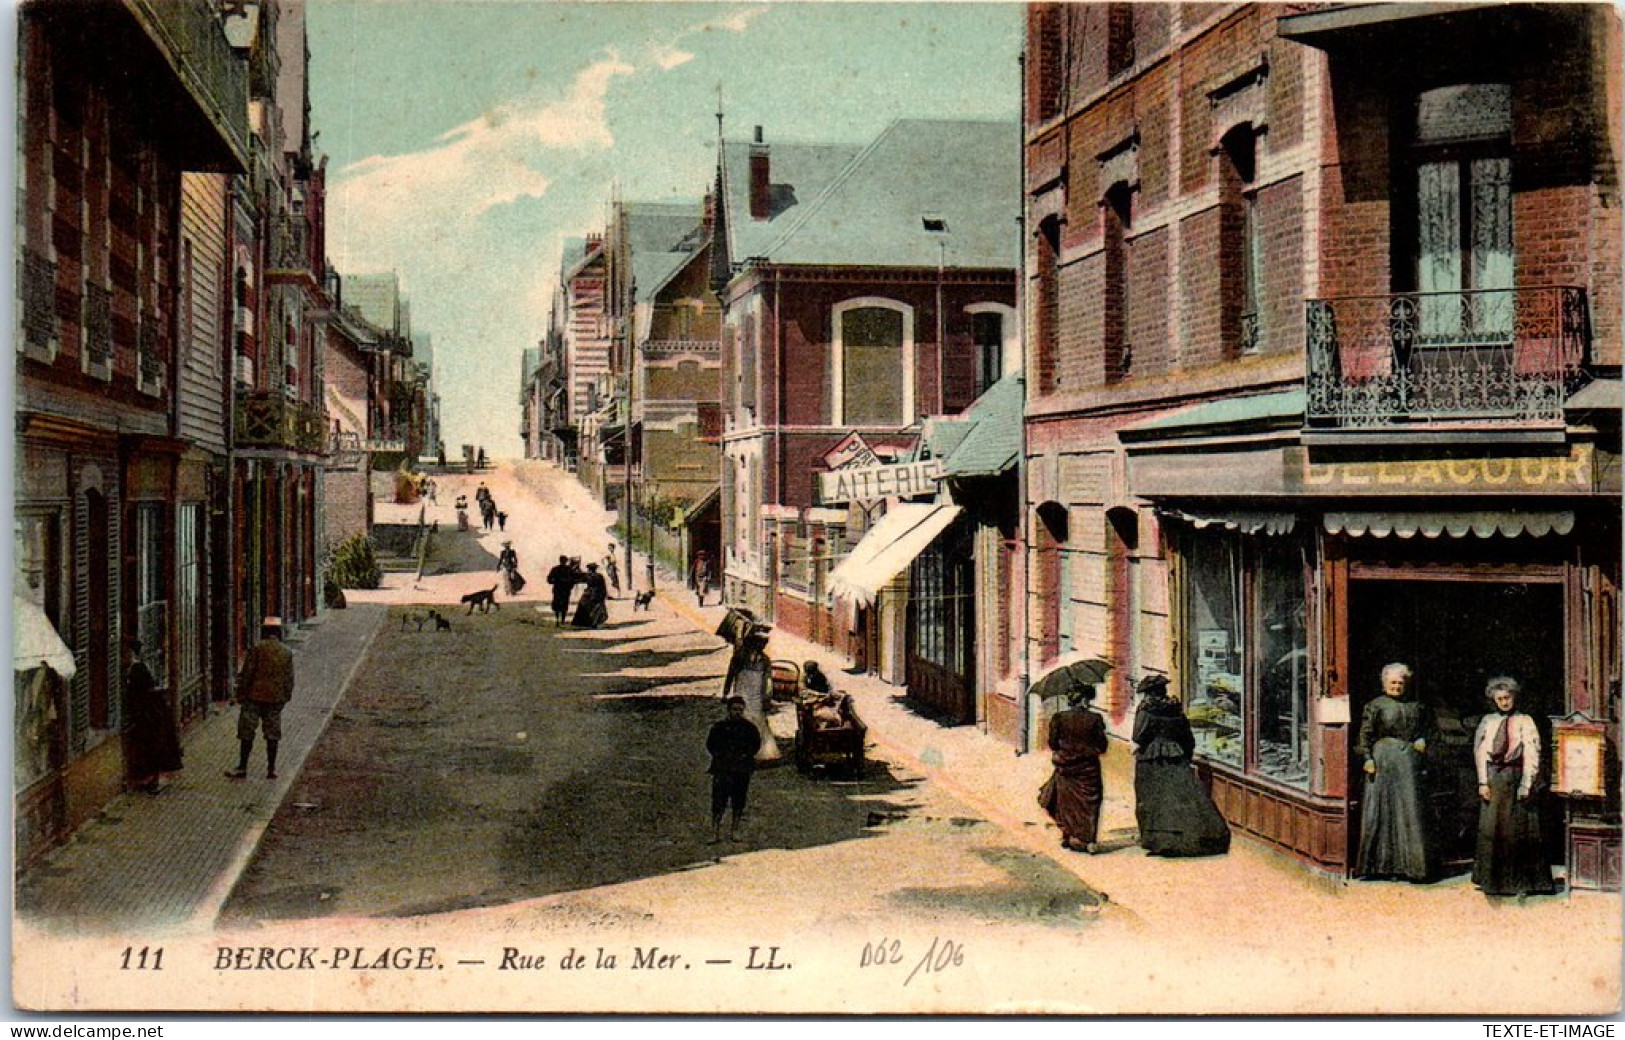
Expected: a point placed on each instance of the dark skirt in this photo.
(151, 744)
(1510, 857)
(1073, 799)
(1394, 826)
(1176, 816)
(590, 612)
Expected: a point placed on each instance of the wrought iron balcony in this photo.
(270, 420)
(196, 46)
(1498, 356)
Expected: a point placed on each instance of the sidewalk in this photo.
(1256, 895)
(170, 860)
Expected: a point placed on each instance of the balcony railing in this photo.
(671, 347)
(269, 420)
(1498, 356)
(216, 77)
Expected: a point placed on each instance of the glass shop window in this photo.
(1247, 665)
(1214, 669)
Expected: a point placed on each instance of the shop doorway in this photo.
(1456, 635)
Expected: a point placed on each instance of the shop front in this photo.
(1291, 591)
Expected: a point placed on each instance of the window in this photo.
(1247, 656)
(941, 594)
(989, 324)
(1119, 38)
(1119, 349)
(1241, 242)
(189, 620)
(1464, 255)
(151, 605)
(874, 362)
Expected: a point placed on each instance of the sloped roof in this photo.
(663, 237)
(993, 441)
(832, 204)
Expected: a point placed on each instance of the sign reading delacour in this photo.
(870, 482)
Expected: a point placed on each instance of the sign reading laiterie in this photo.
(871, 482)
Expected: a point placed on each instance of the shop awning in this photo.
(1483, 523)
(1247, 521)
(34, 641)
(906, 530)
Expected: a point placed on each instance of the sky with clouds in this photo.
(467, 138)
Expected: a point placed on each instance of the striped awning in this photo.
(907, 530)
(1247, 521)
(1483, 523)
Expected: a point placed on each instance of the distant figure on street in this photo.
(508, 566)
(591, 610)
(1510, 858)
(480, 461)
(699, 578)
(561, 579)
(814, 679)
(152, 747)
(732, 743)
(749, 677)
(1176, 816)
(612, 570)
(440, 456)
(502, 521)
(1072, 795)
(263, 686)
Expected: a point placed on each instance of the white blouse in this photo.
(1522, 733)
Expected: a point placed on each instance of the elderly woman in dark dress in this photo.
(1395, 829)
(1073, 793)
(1176, 816)
(152, 745)
(591, 609)
(1510, 859)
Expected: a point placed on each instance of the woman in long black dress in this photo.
(152, 747)
(592, 609)
(1176, 816)
(1396, 838)
(1510, 859)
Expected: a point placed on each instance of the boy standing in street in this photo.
(263, 687)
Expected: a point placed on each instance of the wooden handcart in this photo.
(785, 680)
(829, 733)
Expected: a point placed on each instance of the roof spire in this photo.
(721, 261)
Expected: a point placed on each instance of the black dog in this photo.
(440, 623)
(485, 599)
(642, 600)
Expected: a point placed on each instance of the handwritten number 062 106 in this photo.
(886, 951)
(148, 958)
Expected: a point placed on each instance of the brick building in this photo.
(864, 287)
(116, 486)
(1324, 374)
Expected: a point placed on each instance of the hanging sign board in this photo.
(903, 480)
(853, 451)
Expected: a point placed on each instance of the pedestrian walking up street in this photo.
(508, 566)
(561, 579)
(263, 687)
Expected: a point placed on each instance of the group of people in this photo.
(1397, 837)
(1177, 817)
(592, 608)
(491, 518)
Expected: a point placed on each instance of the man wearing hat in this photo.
(263, 686)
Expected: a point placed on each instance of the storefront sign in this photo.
(1578, 766)
(870, 482)
(853, 451)
(1573, 472)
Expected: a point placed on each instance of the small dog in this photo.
(641, 600)
(412, 617)
(485, 599)
(440, 623)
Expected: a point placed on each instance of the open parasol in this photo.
(1068, 673)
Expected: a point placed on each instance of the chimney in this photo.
(761, 207)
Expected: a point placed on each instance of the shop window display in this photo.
(1247, 665)
(1215, 684)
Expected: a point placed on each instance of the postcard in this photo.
(989, 509)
